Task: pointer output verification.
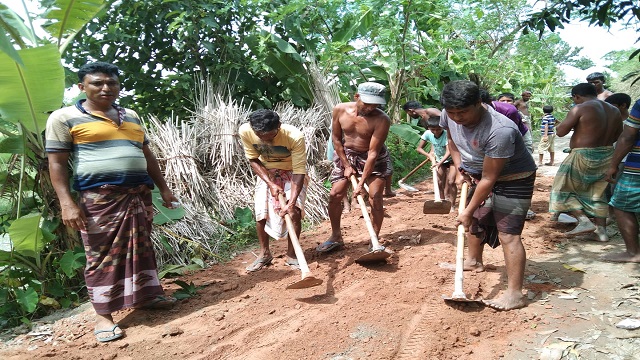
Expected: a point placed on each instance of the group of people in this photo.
(475, 140)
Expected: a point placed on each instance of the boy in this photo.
(440, 159)
(548, 134)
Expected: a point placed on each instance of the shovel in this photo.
(409, 187)
(377, 253)
(459, 295)
(437, 206)
(307, 280)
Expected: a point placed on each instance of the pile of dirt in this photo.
(389, 311)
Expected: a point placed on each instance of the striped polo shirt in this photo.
(102, 152)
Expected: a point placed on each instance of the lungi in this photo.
(626, 195)
(579, 183)
(504, 210)
(121, 270)
(267, 207)
(357, 160)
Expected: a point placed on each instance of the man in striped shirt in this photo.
(113, 172)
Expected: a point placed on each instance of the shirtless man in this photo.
(579, 186)
(363, 127)
(597, 79)
(415, 110)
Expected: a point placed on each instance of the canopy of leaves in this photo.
(260, 49)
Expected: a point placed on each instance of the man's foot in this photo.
(105, 335)
(259, 263)
(472, 265)
(292, 263)
(624, 257)
(346, 208)
(508, 301)
(390, 193)
(330, 245)
(582, 228)
(549, 164)
(601, 232)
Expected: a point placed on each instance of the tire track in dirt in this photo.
(419, 335)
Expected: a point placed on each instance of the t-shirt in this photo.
(510, 111)
(439, 144)
(286, 152)
(494, 136)
(547, 119)
(102, 152)
(632, 164)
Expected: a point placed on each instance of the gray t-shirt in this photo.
(495, 136)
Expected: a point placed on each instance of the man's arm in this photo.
(377, 140)
(623, 146)
(569, 122)
(72, 216)
(153, 169)
(336, 137)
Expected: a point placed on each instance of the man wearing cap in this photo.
(626, 196)
(359, 130)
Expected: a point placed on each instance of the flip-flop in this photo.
(160, 303)
(293, 264)
(108, 338)
(329, 246)
(259, 263)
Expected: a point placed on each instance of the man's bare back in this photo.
(360, 132)
(594, 122)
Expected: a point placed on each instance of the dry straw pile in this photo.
(204, 164)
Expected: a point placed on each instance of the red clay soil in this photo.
(389, 311)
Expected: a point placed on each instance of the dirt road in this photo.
(391, 311)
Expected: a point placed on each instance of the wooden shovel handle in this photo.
(415, 169)
(459, 276)
(436, 188)
(304, 267)
(365, 215)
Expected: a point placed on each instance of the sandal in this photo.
(259, 263)
(112, 331)
(329, 246)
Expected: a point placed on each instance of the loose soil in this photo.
(389, 311)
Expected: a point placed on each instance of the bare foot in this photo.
(582, 228)
(346, 207)
(467, 266)
(621, 257)
(389, 194)
(510, 300)
(602, 234)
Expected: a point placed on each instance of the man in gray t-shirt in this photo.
(488, 147)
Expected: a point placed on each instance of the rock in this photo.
(272, 312)
(218, 316)
(172, 330)
(474, 331)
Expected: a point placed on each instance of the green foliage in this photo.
(406, 158)
(186, 290)
(174, 270)
(164, 214)
(242, 232)
(623, 63)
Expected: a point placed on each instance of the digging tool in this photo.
(377, 252)
(437, 206)
(458, 294)
(409, 187)
(307, 280)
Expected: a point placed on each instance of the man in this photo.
(415, 110)
(523, 106)
(278, 156)
(114, 172)
(597, 80)
(359, 131)
(626, 197)
(488, 147)
(579, 186)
